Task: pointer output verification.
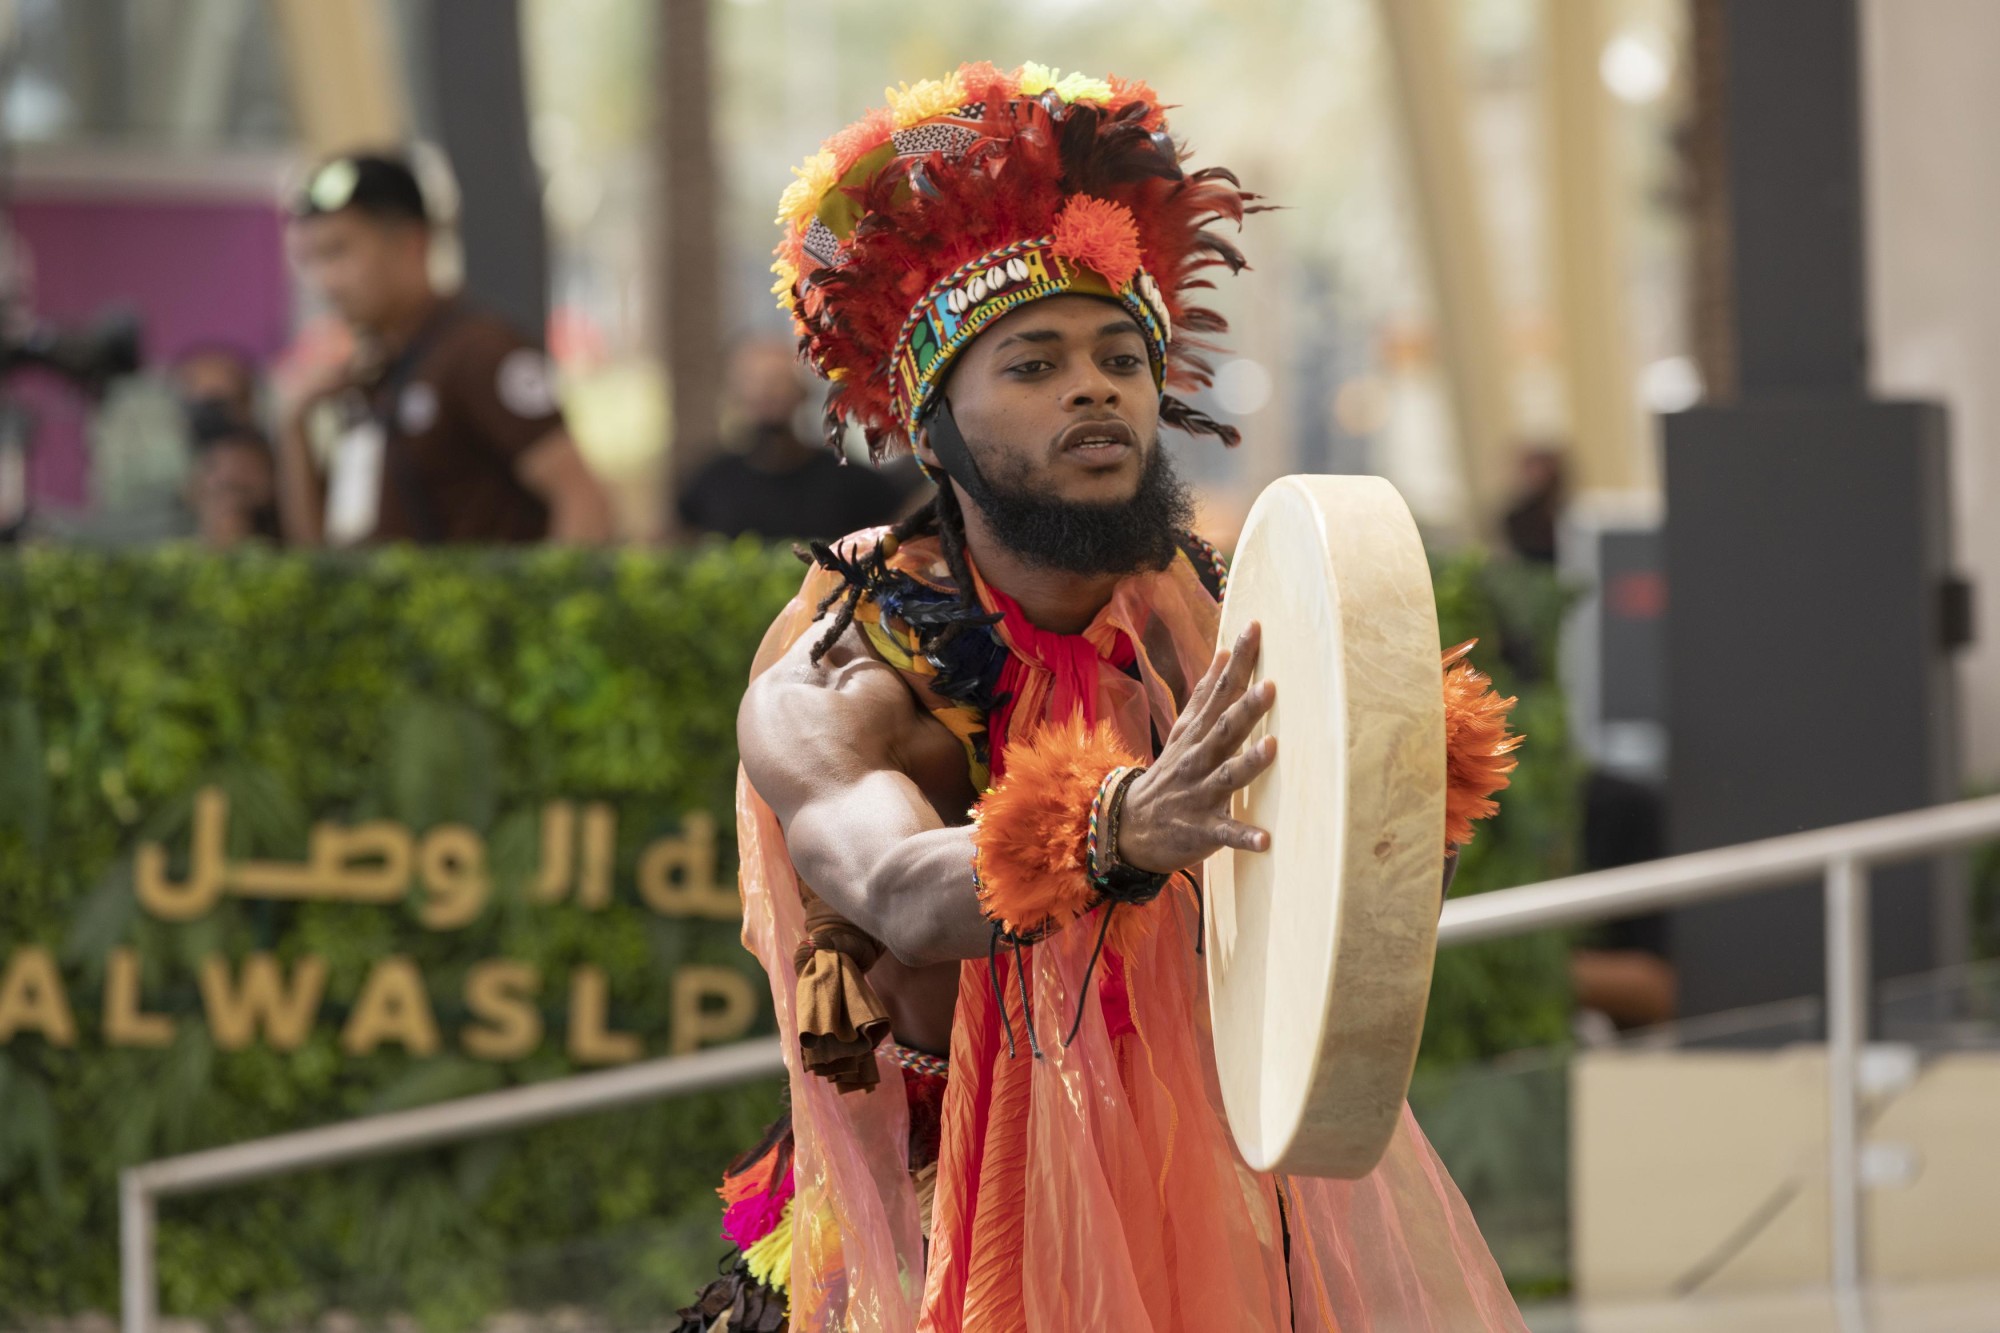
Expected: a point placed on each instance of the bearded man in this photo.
(985, 753)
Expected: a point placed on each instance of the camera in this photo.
(89, 358)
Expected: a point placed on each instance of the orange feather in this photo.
(1033, 826)
(1477, 745)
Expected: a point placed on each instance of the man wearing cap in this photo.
(445, 425)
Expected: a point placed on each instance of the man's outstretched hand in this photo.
(1177, 811)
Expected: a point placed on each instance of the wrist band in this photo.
(1033, 852)
(1101, 849)
(1118, 880)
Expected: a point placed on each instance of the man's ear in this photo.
(925, 454)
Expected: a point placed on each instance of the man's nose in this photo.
(1090, 388)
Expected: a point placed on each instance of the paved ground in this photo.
(1971, 1307)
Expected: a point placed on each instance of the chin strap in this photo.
(948, 442)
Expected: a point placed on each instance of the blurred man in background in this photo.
(232, 486)
(1541, 489)
(773, 484)
(445, 424)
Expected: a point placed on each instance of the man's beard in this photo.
(1093, 537)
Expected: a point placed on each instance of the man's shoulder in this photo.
(475, 340)
(481, 360)
(798, 709)
(469, 324)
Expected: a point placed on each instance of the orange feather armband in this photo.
(1478, 748)
(1031, 832)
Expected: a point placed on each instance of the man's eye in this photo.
(1123, 361)
(1028, 367)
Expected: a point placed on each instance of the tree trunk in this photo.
(686, 283)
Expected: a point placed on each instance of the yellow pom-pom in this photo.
(1077, 87)
(787, 278)
(770, 1259)
(1080, 87)
(812, 179)
(1034, 79)
(914, 103)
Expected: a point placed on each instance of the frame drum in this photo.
(1319, 951)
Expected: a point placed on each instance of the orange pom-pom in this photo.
(981, 79)
(1033, 828)
(1100, 235)
(863, 137)
(1477, 745)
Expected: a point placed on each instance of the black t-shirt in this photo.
(821, 499)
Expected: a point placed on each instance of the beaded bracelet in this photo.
(1100, 811)
(1113, 878)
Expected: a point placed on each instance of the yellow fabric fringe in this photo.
(770, 1259)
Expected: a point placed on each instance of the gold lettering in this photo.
(369, 863)
(558, 851)
(600, 845)
(452, 863)
(502, 992)
(392, 1006)
(32, 999)
(590, 1041)
(263, 997)
(677, 875)
(695, 1023)
(126, 1022)
(197, 895)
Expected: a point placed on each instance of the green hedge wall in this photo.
(427, 688)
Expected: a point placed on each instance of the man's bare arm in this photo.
(821, 746)
(579, 510)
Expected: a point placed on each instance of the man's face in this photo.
(1059, 411)
(764, 382)
(217, 377)
(365, 267)
(1057, 398)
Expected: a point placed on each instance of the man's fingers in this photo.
(1239, 771)
(1226, 737)
(1242, 661)
(1243, 837)
(1204, 690)
(1227, 675)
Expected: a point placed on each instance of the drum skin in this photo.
(1319, 951)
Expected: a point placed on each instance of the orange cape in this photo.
(1097, 1187)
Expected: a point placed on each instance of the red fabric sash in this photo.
(1068, 663)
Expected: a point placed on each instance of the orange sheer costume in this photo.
(1096, 1187)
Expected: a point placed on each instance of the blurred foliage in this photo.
(426, 687)
(1487, 999)
(1492, 1082)
(1985, 872)
(420, 687)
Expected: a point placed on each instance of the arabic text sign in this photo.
(380, 862)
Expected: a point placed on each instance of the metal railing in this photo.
(1842, 856)
(141, 1187)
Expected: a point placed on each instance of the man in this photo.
(993, 272)
(231, 490)
(771, 483)
(447, 427)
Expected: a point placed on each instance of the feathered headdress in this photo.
(968, 196)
